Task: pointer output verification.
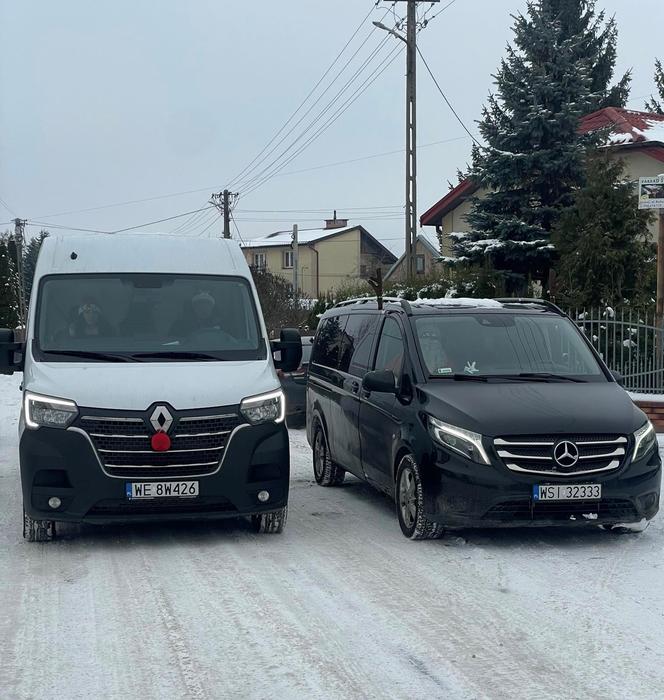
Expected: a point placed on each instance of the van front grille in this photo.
(578, 454)
(123, 444)
(526, 510)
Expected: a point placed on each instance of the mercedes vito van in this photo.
(149, 386)
(478, 413)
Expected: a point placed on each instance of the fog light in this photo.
(54, 502)
(263, 496)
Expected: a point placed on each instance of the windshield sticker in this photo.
(444, 370)
(471, 368)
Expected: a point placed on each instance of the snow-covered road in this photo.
(340, 606)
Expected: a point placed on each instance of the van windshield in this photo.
(146, 317)
(504, 345)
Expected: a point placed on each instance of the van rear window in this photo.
(147, 316)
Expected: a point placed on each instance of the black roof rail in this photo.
(539, 302)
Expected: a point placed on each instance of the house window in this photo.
(287, 259)
(419, 264)
(260, 262)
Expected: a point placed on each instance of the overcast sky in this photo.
(115, 100)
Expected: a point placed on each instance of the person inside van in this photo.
(89, 321)
(201, 315)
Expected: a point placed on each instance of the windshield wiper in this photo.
(466, 377)
(540, 377)
(89, 355)
(173, 355)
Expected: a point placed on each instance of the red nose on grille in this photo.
(160, 442)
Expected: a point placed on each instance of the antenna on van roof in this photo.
(377, 285)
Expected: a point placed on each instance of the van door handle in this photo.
(355, 387)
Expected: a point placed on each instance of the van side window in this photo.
(328, 342)
(390, 347)
(357, 342)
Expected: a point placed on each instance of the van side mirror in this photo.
(8, 347)
(618, 377)
(382, 381)
(287, 351)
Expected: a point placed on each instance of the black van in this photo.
(478, 413)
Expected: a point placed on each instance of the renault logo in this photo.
(566, 454)
(161, 419)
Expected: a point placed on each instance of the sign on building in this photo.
(651, 192)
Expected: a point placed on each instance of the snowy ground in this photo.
(340, 606)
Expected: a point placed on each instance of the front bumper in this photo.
(461, 494)
(63, 463)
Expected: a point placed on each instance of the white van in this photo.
(150, 389)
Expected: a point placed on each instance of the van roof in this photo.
(140, 252)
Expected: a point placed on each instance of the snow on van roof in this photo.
(462, 301)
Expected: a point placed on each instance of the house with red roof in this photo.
(635, 137)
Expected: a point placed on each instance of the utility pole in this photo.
(295, 244)
(222, 201)
(411, 137)
(19, 228)
(411, 128)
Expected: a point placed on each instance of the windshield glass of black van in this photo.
(504, 344)
(146, 318)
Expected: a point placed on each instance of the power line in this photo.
(360, 91)
(311, 93)
(8, 208)
(375, 155)
(248, 182)
(126, 203)
(449, 104)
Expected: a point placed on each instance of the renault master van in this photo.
(149, 386)
(478, 413)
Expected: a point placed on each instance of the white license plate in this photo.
(568, 492)
(161, 489)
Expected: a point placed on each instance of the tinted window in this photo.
(328, 341)
(390, 347)
(151, 313)
(498, 344)
(356, 343)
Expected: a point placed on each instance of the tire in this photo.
(37, 530)
(272, 523)
(326, 472)
(409, 496)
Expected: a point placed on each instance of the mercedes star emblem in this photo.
(566, 454)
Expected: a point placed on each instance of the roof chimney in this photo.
(335, 223)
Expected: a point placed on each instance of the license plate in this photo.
(567, 492)
(161, 489)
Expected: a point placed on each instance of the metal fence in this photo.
(629, 342)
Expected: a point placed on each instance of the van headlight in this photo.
(48, 412)
(465, 442)
(644, 439)
(264, 408)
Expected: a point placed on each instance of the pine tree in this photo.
(654, 104)
(559, 69)
(8, 286)
(606, 256)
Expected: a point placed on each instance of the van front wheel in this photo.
(410, 503)
(270, 523)
(326, 472)
(37, 530)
